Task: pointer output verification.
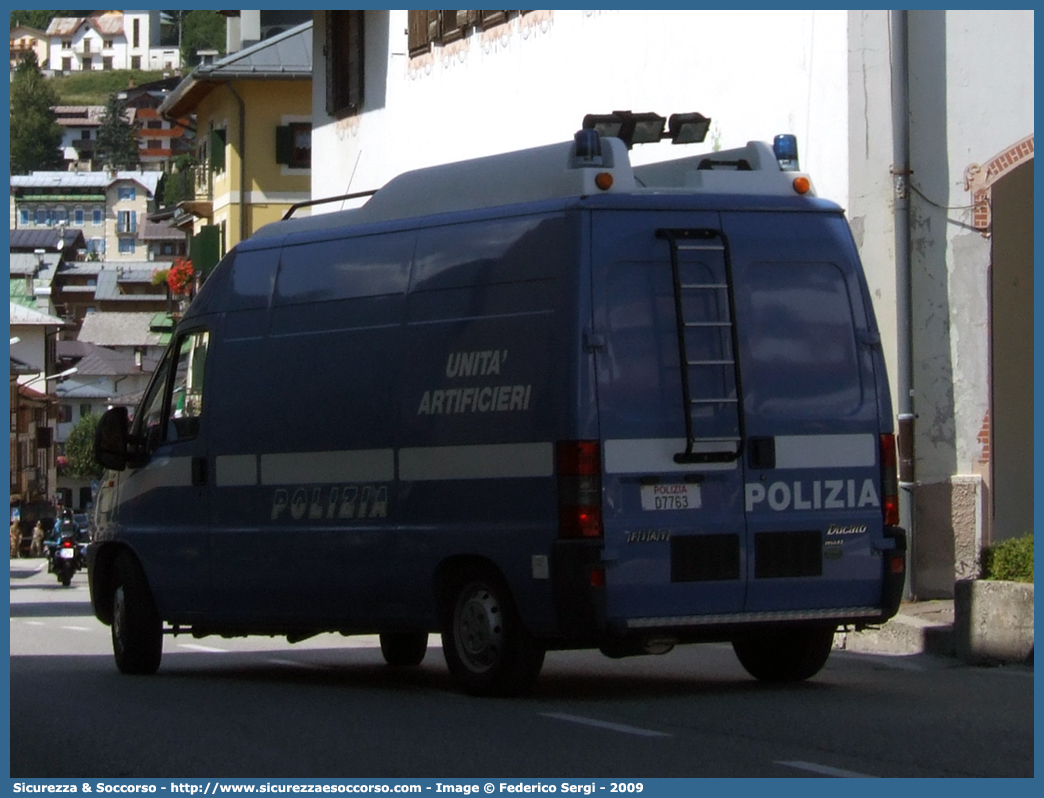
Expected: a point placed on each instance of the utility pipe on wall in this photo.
(242, 164)
(899, 29)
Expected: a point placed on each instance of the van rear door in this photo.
(812, 421)
(673, 510)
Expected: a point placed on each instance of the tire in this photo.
(65, 577)
(137, 632)
(404, 649)
(487, 649)
(788, 655)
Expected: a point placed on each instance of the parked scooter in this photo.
(65, 556)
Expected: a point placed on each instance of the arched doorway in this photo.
(1003, 195)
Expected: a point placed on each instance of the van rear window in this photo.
(801, 358)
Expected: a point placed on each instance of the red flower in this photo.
(180, 276)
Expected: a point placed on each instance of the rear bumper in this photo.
(580, 603)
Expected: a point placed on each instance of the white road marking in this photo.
(825, 770)
(601, 724)
(294, 664)
(77, 628)
(35, 623)
(208, 649)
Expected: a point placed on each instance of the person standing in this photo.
(16, 539)
(36, 548)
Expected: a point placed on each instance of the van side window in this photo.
(149, 424)
(186, 405)
(174, 405)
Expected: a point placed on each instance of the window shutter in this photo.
(332, 62)
(204, 248)
(450, 27)
(284, 144)
(492, 18)
(217, 150)
(418, 32)
(344, 61)
(355, 61)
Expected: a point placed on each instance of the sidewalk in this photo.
(920, 627)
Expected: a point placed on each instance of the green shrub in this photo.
(1011, 561)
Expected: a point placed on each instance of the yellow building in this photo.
(253, 121)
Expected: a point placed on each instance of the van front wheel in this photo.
(137, 632)
(786, 655)
(486, 647)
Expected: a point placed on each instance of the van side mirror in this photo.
(111, 439)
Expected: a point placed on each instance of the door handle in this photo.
(761, 452)
(199, 471)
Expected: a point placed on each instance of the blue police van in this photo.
(534, 401)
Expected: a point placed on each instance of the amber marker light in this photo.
(802, 185)
(604, 180)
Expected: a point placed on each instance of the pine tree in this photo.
(117, 146)
(36, 136)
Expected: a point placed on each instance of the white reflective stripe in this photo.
(235, 470)
(160, 472)
(301, 468)
(602, 724)
(825, 451)
(492, 461)
(826, 770)
(646, 455)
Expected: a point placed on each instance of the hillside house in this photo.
(109, 40)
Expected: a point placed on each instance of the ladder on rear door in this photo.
(703, 306)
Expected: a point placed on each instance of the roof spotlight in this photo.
(631, 128)
(688, 128)
(646, 128)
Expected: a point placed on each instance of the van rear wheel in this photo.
(137, 632)
(404, 649)
(487, 649)
(786, 655)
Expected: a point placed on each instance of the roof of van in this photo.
(554, 171)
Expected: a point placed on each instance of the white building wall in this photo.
(971, 98)
(531, 81)
(988, 107)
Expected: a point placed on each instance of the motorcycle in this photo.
(65, 558)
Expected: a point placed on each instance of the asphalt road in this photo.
(330, 707)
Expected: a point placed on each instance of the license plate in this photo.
(66, 554)
(671, 497)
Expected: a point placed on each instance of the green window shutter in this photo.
(284, 144)
(217, 150)
(205, 249)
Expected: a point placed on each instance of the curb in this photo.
(918, 628)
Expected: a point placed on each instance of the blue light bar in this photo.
(785, 148)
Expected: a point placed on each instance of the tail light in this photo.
(579, 489)
(889, 481)
(67, 543)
